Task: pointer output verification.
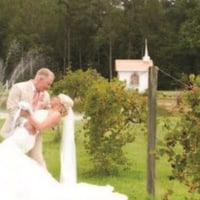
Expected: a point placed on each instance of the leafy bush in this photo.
(76, 84)
(182, 144)
(110, 111)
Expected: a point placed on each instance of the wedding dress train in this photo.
(22, 178)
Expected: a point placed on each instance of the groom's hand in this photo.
(30, 128)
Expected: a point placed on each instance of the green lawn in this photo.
(132, 182)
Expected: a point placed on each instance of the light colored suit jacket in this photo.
(22, 91)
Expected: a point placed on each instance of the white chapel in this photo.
(134, 71)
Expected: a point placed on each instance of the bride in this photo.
(22, 178)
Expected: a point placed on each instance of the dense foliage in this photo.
(76, 84)
(79, 34)
(182, 143)
(112, 115)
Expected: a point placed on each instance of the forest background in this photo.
(82, 34)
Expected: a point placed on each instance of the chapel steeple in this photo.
(146, 56)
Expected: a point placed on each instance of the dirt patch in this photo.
(167, 104)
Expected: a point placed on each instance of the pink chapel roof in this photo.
(132, 65)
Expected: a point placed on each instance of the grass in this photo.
(131, 182)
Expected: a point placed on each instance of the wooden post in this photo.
(151, 147)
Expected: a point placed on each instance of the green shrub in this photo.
(182, 143)
(110, 111)
(76, 84)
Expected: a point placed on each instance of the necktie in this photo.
(35, 99)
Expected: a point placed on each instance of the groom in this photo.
(34, 92)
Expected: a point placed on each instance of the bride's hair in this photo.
(66, 103)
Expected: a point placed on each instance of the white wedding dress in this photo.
(22, 178)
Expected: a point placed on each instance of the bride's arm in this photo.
(50, 121)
